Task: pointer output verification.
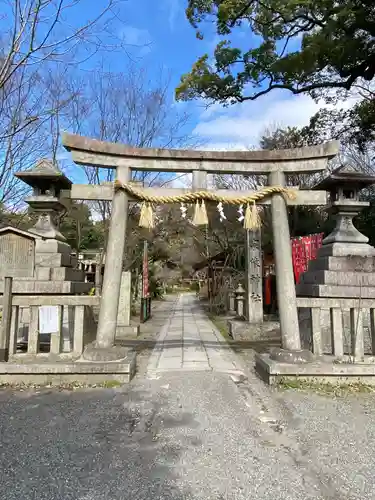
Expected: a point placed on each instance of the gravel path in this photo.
(186, 435)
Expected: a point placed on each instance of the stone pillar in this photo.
(106, 333)
(254, 292)
(98, 274)
(199, 180)
(5, 322)
(231, 301)
(286, 291)
(125, 301)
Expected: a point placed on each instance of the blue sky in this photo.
(159, 38)
(173, 46)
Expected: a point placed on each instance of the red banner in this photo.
(267, 291)
(304, 249)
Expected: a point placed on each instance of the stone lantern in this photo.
(47, 182)
(240, 301)
(344, 186)
(345, 259)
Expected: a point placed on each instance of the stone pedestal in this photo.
(341, 270)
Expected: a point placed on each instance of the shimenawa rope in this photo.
(251, 219)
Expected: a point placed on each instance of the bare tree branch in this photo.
(127, 107)
(41, 45)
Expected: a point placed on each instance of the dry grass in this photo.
(326, 389)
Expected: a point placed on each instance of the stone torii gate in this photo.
(276, 164)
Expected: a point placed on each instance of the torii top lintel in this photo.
(92, 152)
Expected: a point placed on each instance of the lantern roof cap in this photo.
(45, 171)
(346, 175)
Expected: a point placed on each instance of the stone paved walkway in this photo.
(189, 341)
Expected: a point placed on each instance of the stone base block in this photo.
(61, 373)
(345, 264)
(4, 354)
(29, 286)
(339, 278)
(335, 291)
(346, 249)
(53, 260)
(96, 353)
(123, 332)
(52, 246)
(275, 372)
(267, 331)
(59, 274)
(291, 356)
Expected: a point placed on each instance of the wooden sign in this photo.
(17, 253)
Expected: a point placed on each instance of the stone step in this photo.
(53, 260)
(341, 278)
(124, 332)
(346, 249)
(52, 246)
(28, 286)
(59, 274)
(347, 264)
(310, 290)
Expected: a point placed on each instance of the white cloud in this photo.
(180, 181)
(136, 38)
(172, 8)
(241, 125)
(226, 146)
